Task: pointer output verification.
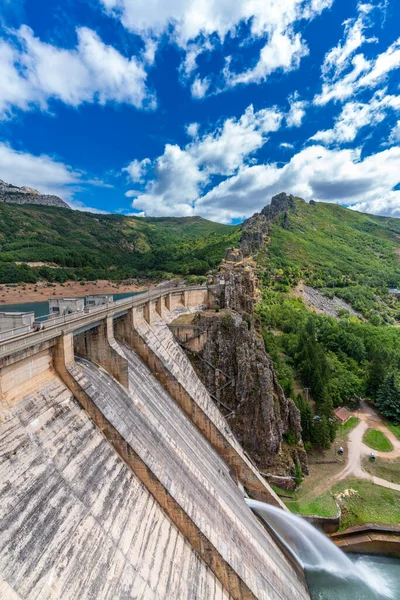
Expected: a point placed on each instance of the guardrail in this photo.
(68, 323)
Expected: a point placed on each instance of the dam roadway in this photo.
(119, 477)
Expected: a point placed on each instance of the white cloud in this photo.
(137, 169)
(193, 25)
(338, 176)
(193, 130)
(297, 111)
(286, 146)
(284, 51)
(43, 173)
(394, 137)
(181, 174)
(337, 59)
(357, 115)
(346, 72)
(387, 204)
(200, 87)
(35, 72)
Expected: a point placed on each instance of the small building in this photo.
(16, 320)
(99, 299)
(65, 306)
(342, 415)
(394, 292)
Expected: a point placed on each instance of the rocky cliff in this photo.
(234, 365)
(24, 195)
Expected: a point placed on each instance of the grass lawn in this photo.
(393, 428)
(386, 469)
(360, 502)
(369, 504)
(343, 430)
(323, 505)
(377, 440)
(282, 492)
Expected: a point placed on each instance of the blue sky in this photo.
(203, 107)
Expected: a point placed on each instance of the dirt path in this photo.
(357, 450)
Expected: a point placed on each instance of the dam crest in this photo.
(120, 478)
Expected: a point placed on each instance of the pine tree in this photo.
(326, 410)
(388, 398)
(307, 419)
(312, 362)
(321, 433)
(377, 371)
(307, 423)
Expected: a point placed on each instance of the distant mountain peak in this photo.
(280, 203)
(25, 195)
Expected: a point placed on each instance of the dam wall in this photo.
(76, 522)
(119, 476)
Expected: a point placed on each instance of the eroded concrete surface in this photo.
(76, 523)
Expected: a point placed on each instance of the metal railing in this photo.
(68, 323)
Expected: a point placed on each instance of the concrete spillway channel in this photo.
(189, 479)
(76, 523)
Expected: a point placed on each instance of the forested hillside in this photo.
(89, 246)
(348, 255)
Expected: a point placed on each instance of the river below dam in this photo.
(41, 309)
(331, 574)
(324, 586)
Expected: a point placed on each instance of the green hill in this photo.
(340, 252)
(91, 246)
(331, 253)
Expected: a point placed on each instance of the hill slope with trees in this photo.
(338, 360)
(87, 246)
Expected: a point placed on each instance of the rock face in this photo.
(234, 365)
(281, 203)
(256, 229)
(24, 195)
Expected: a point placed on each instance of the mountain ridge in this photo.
(24, 195)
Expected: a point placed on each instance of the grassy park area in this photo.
(343, 430)
(323, 505)
(383, 468)
(360, 502)
(364, 502)
(393, 428)
(377, 440)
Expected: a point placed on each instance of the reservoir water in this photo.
(42, 308)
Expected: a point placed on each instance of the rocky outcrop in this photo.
(281, 203)
(254, 234)
(24, 195)
(255, 230)
(234, 365)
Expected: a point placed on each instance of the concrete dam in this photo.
(120, 478)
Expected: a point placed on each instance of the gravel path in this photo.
(357, 450)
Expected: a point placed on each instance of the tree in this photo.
(377, 370)
(388, 398)
(321, 433)
(312, 362)
(307, 419)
